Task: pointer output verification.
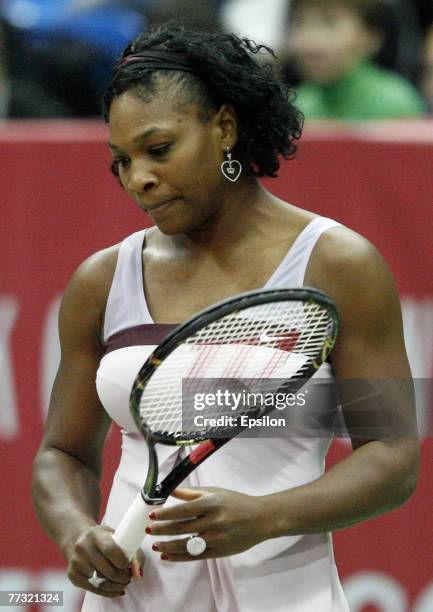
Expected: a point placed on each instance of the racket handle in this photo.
(132, 528)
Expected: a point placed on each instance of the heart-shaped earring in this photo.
(231, 169)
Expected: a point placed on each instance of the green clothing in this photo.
(368, 92)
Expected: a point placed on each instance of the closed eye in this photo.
(118, 163)
(161, 150)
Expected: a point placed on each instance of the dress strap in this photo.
(291, 271)
(125, 304)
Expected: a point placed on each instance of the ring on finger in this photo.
(96, 580)
(196, 545)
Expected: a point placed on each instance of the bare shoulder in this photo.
(96, 272)
(344, 261)
(344, 251)
(350, 269)
(85, 297)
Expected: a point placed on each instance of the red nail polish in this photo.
(152, 515)
(155, 547)
(164, 557)
(148, 530)
(140, 571)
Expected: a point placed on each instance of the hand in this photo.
(95, 549)
(230, 522)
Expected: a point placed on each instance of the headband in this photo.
(157, 59)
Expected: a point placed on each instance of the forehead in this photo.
(130, 115)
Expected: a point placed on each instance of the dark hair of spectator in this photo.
(374, 13)
(227, 70)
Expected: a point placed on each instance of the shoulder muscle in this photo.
(352, 272)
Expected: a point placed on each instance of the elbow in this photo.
(39, 476)
(408, 487)
(406, 478)
(403, 492)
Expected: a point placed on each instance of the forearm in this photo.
(372, 480)
(66, 496)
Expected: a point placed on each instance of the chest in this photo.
(178, 287)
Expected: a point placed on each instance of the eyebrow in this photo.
(138, 140)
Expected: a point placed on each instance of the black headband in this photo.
(156, 59)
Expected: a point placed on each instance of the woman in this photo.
(194, 120)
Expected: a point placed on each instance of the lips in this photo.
(160, 205)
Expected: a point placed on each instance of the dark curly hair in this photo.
(227, 70)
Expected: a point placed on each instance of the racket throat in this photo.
(150, 491)
(152, 499)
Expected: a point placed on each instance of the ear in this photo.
(227, 121)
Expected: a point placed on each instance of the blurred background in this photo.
(363, 74)
(55, 55)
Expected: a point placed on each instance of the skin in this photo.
(192, 254)
(327, 41)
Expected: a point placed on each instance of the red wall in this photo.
(59, 204)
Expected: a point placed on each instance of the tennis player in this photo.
(195, 118)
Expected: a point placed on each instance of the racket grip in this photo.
(132, 528)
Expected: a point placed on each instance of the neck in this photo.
(240, 214)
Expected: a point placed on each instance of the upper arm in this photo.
(369, 357)
(370, 342)
(77, 423)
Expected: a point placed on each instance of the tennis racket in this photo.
(260, 339)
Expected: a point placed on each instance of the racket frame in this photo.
(155, 494)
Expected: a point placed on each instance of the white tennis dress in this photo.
(287, 574)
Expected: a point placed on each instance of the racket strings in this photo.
(278, 340)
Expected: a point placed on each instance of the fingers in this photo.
(95, 550)
(98, 561)
(136, 565)
(105, 589)
(226, 519)
(195, 525)
(196, 503)
(187, 494)
(175, 550)
(103, 540)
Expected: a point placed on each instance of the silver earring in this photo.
(231, 169)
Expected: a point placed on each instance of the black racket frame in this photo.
(155, 494)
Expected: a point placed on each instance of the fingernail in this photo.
(155, 547)
(148, 530)
(152, 515)
(164, 557)
(140, 571)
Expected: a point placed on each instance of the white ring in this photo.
(196, 545)
(96, 580)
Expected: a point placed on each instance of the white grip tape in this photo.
(132, 528)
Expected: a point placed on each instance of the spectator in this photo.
(427, 68)
(22, 96)
(332, 44)
(60, 53)
(409, 37)
(201, 15)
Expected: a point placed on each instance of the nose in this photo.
(141, 178)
